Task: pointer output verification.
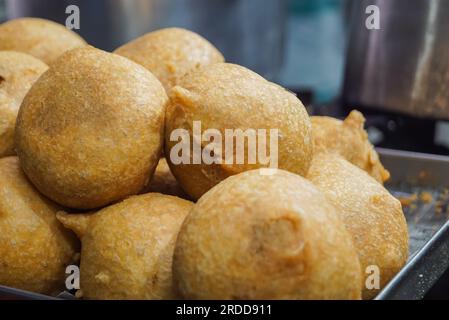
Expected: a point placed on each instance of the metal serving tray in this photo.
(412, 173)
(427, 218)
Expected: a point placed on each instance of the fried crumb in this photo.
(79, 294)
(426, 197)
(407, 201)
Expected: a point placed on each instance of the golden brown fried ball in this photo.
(35, 248)
(164, 182)
(230, 97)
(18, 72)
(371, 214)
(43, 39)
(90, 131)
(127, 248)
(171, 53)
(349, 139)
(265, 237)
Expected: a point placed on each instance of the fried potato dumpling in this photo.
(18, 72)
(255, 236)
(349, 139)
(43, 39)
(164, 182)
(90, 131)
(371, 214)
(127, 248)
(228, 97)
(171, 53)
(35, 248)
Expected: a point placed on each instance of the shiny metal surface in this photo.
(404, 66)
(412, 174)
(248, 32)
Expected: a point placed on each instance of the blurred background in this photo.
(320, 49)
(397, 76)
(299, 43)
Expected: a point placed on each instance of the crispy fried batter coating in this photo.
(228, 97)
(43, 39)
(265, 237)
(35, 248)
(371, 214)
(18, 72)
(170, 53)
(90, 131)
(164, 182)
(127, 248)
(349, 139)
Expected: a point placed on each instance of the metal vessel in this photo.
(404, 66)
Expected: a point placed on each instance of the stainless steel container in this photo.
(248, 32)
(404, 66)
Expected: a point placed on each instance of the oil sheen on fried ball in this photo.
(349, 139)
(257, 236)
(127, 248)
(227, 98)
(170, 53)
(43, 39)
(35, 248)
(18, 72)
(90, 131)
(371, 214)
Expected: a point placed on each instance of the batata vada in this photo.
(371, 214)
(43, 39)
(265, 237)
(228, 97)
(127, 248)
(348, 139)
(18, 72)
(171, 53)
(35, 248)
(90, 131)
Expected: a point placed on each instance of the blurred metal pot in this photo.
(404, 66)
(248, 32)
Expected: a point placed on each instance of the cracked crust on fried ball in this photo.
(35, 248)
(230, 97)
(43, 39)
(127, 248)
(90, 130)
(371, 214)
(265, 237)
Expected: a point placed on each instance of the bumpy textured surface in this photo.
(171, 53)
(348, 139)
(164, 182)
(226, 96)
(43, 39)
(265, 237)
(90, 131)
(35, 248)
(371, 214)
(18, 72)
(127, 248)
